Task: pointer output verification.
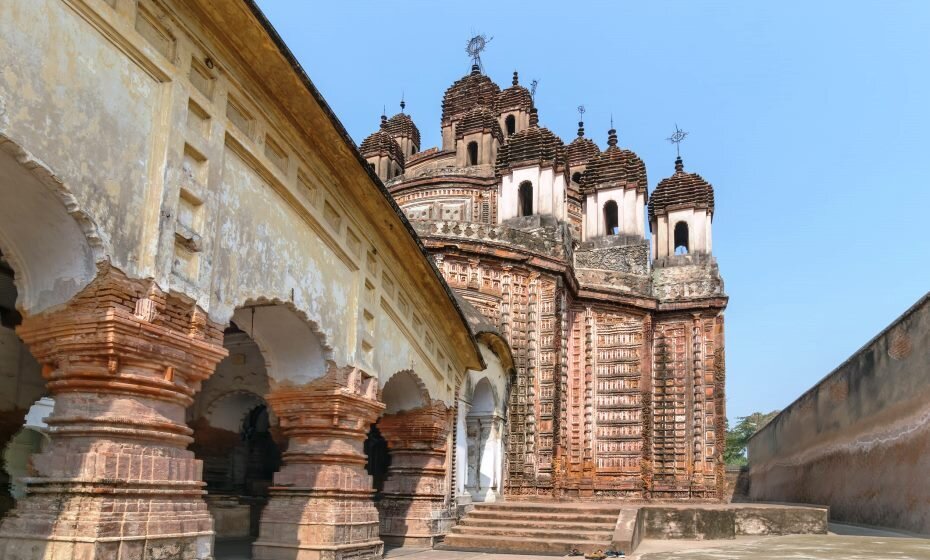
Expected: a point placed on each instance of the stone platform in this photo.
(557, 528)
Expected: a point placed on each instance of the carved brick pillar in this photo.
(414, 508)
(116, 481)
(321, 504)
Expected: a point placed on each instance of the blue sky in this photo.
(811, 119)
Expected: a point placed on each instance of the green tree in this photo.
(735, 451)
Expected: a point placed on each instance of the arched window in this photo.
(576, 177)
(413, 149)
(510, 123)
(681, 238)
(611, 219)
(525, 201)
(472, 153)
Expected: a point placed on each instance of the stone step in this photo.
(552, 525)
(543, 516)
(542, 533)
(555, 509)
(535, 545)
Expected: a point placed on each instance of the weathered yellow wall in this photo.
(193, 174)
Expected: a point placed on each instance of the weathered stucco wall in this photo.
(221, 179)
(858, 441)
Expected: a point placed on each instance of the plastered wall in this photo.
(183, 168)
(858, 441)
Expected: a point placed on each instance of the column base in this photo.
(57, 527)
(295, 527)
(409, 541)
(413, 522)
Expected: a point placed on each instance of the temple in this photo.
(617, 338)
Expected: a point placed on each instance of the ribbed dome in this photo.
(479, 119)
(469, 92)
(402, 125)
(514, 98)
(533, 145)
(613, 166)
(688, 190)
(382, 144)
(581, 150)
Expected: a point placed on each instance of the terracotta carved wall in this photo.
(608, 400)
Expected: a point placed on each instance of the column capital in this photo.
(121, 335)
(423, 428)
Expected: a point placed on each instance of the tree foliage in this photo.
(735, 451)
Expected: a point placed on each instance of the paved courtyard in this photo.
(843, 543)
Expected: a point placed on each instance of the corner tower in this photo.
(614, 187)
(533, 171)
(383, 153)
(681, 211)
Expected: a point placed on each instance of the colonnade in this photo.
(123, 361)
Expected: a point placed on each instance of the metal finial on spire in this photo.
(533, 85)
(611, 121)
(475, 46)
(676, 138)
(581, 112)
(403, 105)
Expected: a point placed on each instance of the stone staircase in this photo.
(538, 528)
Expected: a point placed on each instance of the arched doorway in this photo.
(234, 437)
(611, 218)
(378, 460)
(510, 123)
(681, 238)
(415, 504)
(483, 432)
(21, 385)
(525, 199)
(472, 153)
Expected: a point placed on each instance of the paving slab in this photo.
(878, 545)
(807, 547)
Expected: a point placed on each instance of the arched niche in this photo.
(53, 245)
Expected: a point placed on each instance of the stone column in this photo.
(321, 504)
(116, 481)
(414, 508)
